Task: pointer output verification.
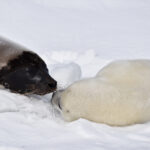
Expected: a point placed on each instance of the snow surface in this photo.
(66, 74)
(72, 36)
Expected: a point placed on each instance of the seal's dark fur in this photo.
(26, 73)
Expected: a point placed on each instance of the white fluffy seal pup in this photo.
(23, 71)
(119, 95)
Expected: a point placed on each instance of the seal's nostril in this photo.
(53, 84)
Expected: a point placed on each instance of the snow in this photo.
(76, 39)
(66, 74)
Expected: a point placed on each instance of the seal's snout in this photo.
(52, 84)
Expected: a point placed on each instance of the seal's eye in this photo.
(59, 105)
(54, 93)
(67, 111)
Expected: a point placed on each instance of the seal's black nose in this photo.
(52, 84)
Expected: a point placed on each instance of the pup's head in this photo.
(67, 104)
(27, 73)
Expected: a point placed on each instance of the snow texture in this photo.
(66, 74)
(75, 38)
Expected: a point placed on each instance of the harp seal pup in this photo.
(119, 95)
(23, 71)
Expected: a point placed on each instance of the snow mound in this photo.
(66, 74)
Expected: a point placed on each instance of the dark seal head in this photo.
(23, 71)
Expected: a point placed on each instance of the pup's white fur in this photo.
(119, 95)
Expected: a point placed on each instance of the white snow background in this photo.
(75, 38)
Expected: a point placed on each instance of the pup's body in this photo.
(23, 71)
(119, 95)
